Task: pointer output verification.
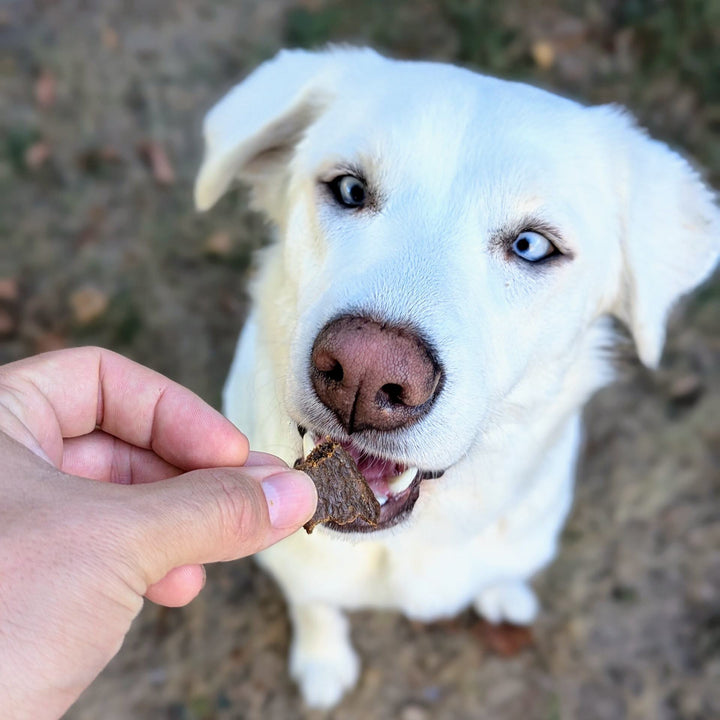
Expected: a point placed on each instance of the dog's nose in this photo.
(373, 376)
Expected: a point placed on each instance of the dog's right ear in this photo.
(251, 132)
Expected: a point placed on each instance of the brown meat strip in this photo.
(343, 494)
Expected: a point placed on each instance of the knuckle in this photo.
(240, 512)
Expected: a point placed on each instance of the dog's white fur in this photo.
(457, 161)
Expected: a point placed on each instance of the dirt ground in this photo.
(100, 108)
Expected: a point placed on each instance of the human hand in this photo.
(77, 556)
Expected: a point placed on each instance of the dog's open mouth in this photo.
(395, 485)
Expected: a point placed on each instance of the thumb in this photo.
(218, 514)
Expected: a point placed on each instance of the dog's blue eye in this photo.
(533, 246)
(349, 191)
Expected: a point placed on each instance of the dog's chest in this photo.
(429, 582)
(423, 580)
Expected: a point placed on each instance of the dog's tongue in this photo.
(378, 472)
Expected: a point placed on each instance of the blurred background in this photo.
(100, 111)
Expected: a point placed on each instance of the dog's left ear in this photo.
(670, 227)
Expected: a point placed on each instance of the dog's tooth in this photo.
(308, 444)
(402, 481)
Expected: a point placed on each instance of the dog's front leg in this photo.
(322, 659)
(512, 601)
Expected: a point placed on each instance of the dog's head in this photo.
(451, 246)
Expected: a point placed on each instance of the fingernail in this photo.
(291, 498)
(259, 459)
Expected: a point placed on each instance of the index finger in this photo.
(68, 393)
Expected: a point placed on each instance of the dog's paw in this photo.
(322, 660)
(324, 675)
(511, 601)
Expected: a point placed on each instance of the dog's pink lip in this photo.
(379, 473)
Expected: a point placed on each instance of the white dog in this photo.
(451, 250)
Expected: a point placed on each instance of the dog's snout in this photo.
(373, 376)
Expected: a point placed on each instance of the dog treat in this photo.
(343, 494)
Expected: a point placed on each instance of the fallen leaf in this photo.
(219, 243)
(9, 310)
(45, 89)
(505, 639)
(9, 289)
(88, 304)
(156, 157)
(543, 53)
(686, 390)
(8, 323)
(685, 385)
(110, 38)
(37, 155)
